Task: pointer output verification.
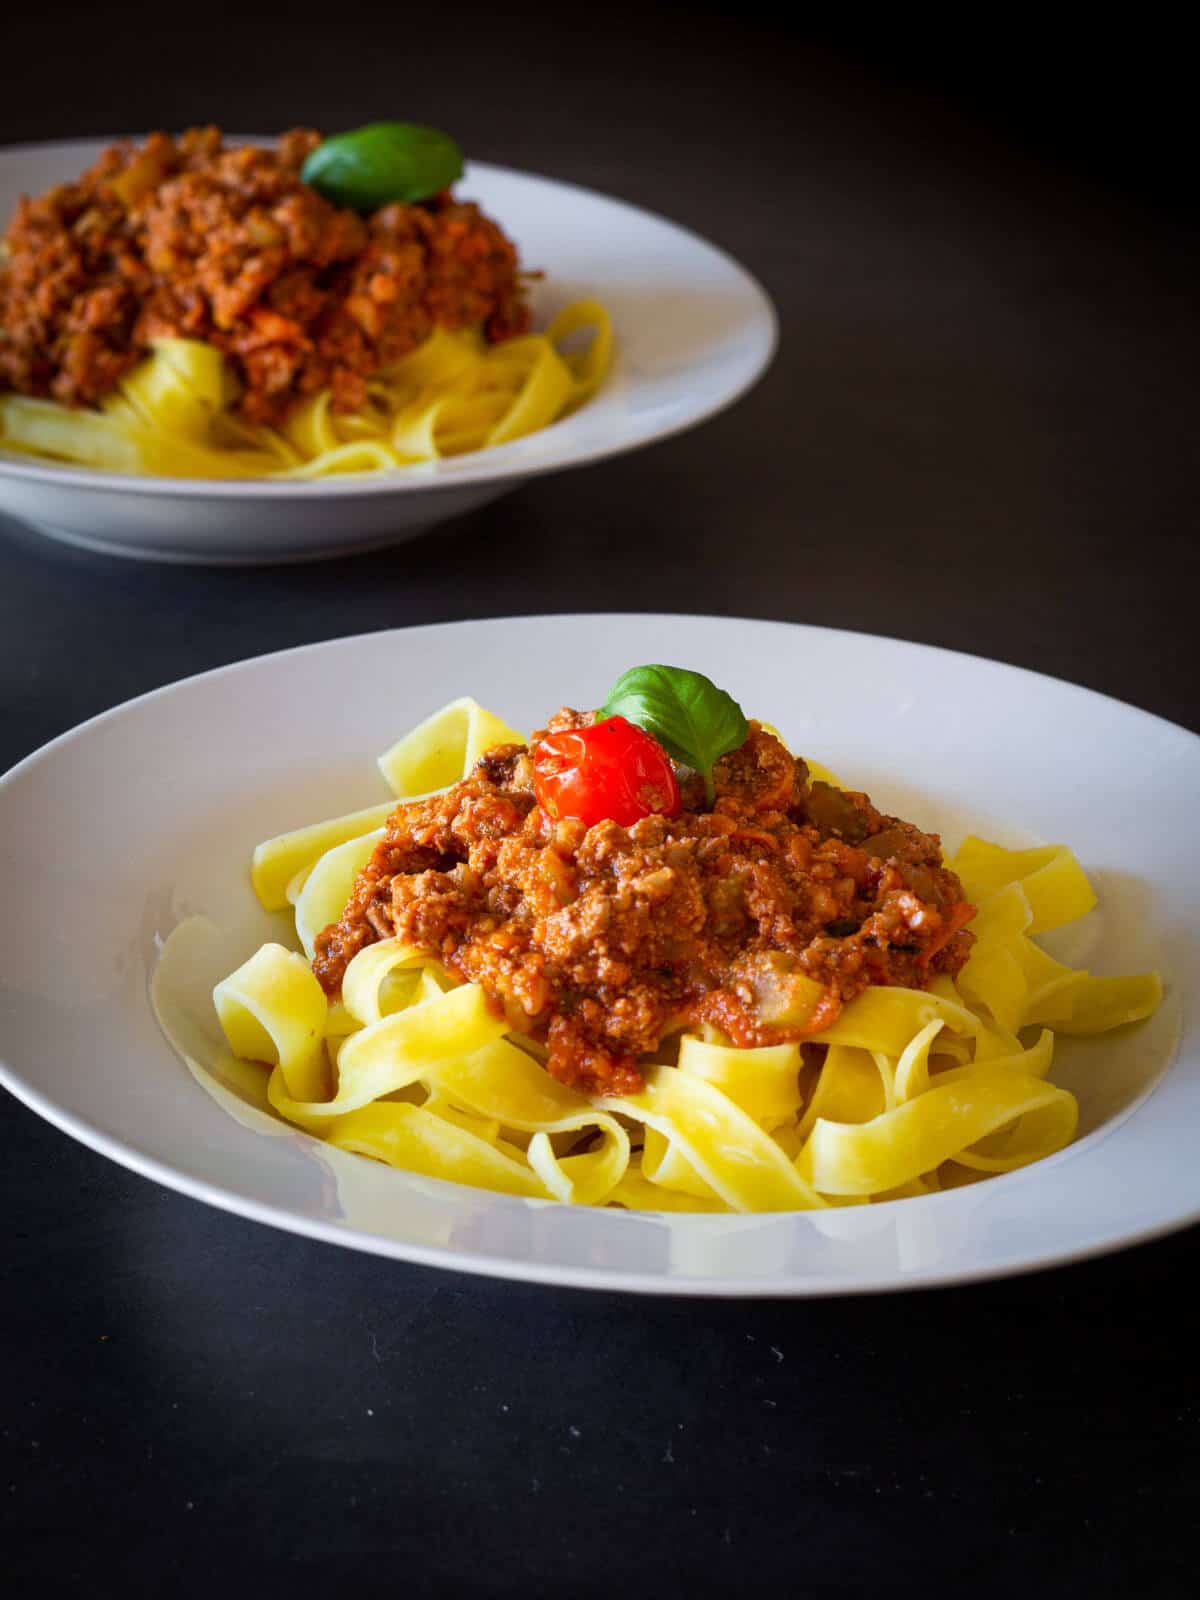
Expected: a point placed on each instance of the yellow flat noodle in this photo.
(365, 976)
(993, 979)
(159, 420)
(402, 989)
(1002, 923)
(405, 1047)
(636, 1193)
(369, 423)
(1035, 1135)
(501, 1086)
(789, 1139)
(295, 886)
(589, 365)
(886, 1019)
(542, 396)
(409, 1044)
(886, 1066)
(94, 439)
(917, 1137)
(849, 1089)
(444, 360)
(764, 1082)
(171, 416)
(310, 1114)
(414, 430)
(946, 988)
(316, 432)
(1033, 1062)
(305, 1112)
(1003, 915)
(231, 432)
(339, 1022)
(1019, 985)
(912, 1069)
(444, 748)
(447, 425)
(1051, 986)
(740, 1163)
(958, 1047)
(434, 980)
(665, 1165)
(417, 1140)
(991, 1042)
(86, 438)
(272, 1009)
(946, 1049)
(585, 1179)
(465, 422)
(357, 455)
(1008, 975)
(915, 1189)
(439, 1105)
(1055, 884)
(500, 1081)
(327, 886)
(117, 409)
(1038, 1134)
(309, 427)
(180, 391)
(277, 861)
(1104, 1003)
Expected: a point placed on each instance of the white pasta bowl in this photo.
(131, 824)
(693, 332)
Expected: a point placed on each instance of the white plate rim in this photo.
(517, 1268)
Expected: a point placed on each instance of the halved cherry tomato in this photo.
(610, 771)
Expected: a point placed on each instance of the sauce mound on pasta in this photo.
(761, 914)
(191, 239)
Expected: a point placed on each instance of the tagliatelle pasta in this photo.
(907, 1091)
(171, 415)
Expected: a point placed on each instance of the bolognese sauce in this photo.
(190, 238)
(600, 940)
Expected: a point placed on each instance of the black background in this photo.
(977, 433)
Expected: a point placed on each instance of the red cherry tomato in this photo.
(610, 771)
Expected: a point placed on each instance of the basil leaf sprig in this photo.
(693, 720)
(383, 163)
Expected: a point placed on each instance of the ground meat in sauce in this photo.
(599, 941)
(191, 239)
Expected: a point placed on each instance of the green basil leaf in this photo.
(384, 162)
(693, 720)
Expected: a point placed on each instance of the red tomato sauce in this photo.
(600, 941)
(189, 238)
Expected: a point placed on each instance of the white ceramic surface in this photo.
(693, 330)
(118, 831)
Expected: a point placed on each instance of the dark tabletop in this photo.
(975, 434)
